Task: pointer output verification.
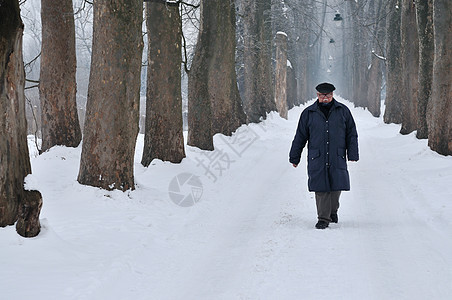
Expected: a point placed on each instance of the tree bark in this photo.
(281, 74)
(57, 87)
(424, 16)
(374, 87)
(291, 87)
(410, 67)
(212, 82)
(163, 137)
(28, 224)
(200, 132)
(258, 92)
(375, 72)
(440, 114)
(393, 111)
(14, 157)
(360, 56)
(111, 125)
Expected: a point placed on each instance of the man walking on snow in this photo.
(329, 129)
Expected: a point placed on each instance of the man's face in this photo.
(325, 97)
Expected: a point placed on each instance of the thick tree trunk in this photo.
(14, 157)
(200, 133)
(424, 14)
(212, 77)
(28, 224)
(410, 67)
(281, 74)
(393, 110)
(163, 137)
(258, 92)
(440, 114)
(111, 125)
(57, 87)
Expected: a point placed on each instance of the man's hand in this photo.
(294, 165)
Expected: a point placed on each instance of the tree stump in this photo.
(28, 223)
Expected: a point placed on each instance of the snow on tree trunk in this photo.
(440, 113)
(393, 110)
(111, 125)
(57, 87)
(258, 91)
(14, 156)
(410, 67)
(281, 74)
(424, 14)
(163, 137)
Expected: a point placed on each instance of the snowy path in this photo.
(252, 234)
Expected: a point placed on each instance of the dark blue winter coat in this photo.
(330, 141)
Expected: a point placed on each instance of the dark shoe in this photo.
(321, 224)
(334, 218)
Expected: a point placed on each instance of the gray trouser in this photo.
(327, 204)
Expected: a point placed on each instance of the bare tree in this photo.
(281, 74)
(393, 111)
(440, 114)
(375, 72)
(410, 67)
(424, 16)
(163, 137)
(14, 156)
(111, 125)
(57, 87)
(258, 92)
(214, 104)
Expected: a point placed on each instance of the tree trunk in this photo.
(281, 74)
(375, 72)
(393, 110)
(14, 157)
(374, 87)
(360, 56)
(163, 137)
(212, 77)
(200, 132)
(424, 14)
(258, 92)
(57, 87)
(28, 224)
(440, 114)
(291, 87)
(111, 125)
(410, 67)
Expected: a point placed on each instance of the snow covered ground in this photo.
(244, 226)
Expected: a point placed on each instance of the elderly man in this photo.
(329, 129)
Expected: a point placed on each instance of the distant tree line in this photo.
(398, 46)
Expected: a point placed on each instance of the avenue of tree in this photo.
(251, 57)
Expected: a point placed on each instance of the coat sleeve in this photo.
(352, 138)
(300, 139)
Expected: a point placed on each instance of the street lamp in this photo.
(338, 19)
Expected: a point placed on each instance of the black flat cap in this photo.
(325, 88)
